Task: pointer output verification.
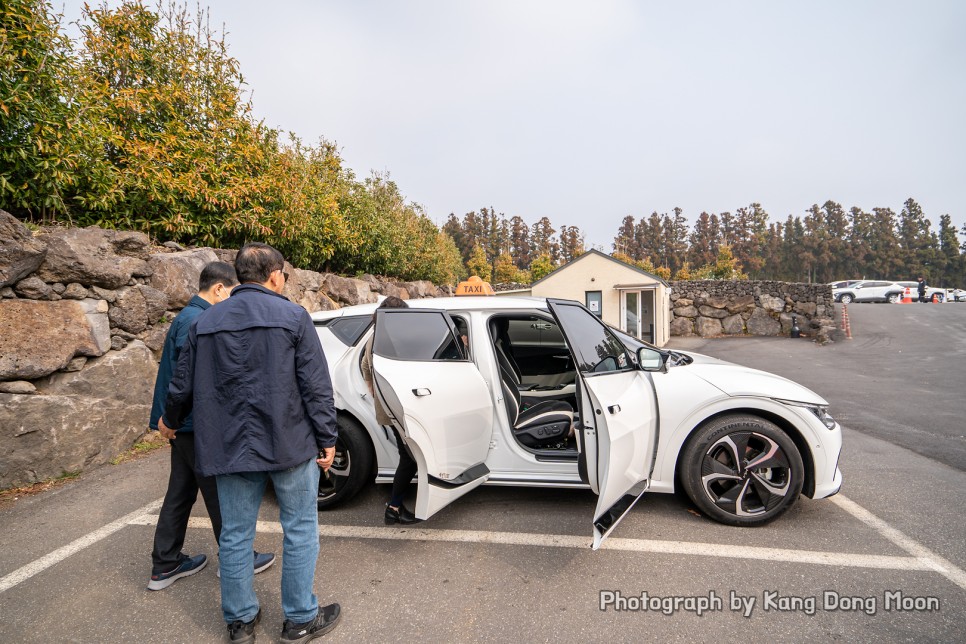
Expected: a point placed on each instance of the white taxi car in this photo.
(547, 395)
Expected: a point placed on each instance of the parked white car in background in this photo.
(955, 295)
(546, 395)
(933, 294)
(869, 291)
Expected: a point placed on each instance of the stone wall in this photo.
(712, 308)
(83, 317)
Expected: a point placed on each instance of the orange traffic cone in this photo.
(907, 298)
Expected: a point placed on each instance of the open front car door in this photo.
(438, 400)
(618, 415)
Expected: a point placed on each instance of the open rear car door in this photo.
(438, 399)
(618, 415)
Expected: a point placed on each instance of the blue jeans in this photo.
(240, 496)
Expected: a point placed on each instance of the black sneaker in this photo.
(187, 567)
(325, 620)
(240, 632)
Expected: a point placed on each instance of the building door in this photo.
(637, 314)
(631, 316)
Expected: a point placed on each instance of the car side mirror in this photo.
(650, 359)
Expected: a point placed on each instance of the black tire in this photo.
(715, 475)
(846, 298)
(893, 298)
(937, 298)
(352, 468)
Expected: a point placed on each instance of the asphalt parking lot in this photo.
(882, 561)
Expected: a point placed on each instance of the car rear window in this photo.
(347, 329)
(406, 334)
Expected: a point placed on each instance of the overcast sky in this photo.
(590, 111)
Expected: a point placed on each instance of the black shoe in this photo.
(325, 620)
(240, 632)
(402, 515)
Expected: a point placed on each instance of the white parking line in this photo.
(39, 565)
(922, 558)
(944, 567)
(689, 548)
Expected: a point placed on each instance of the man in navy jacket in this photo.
(254, 377)
(168, 562)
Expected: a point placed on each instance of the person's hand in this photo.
(326, 456)
(166, 431)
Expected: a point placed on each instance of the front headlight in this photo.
(820, 411)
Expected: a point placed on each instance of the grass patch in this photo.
(150, 442)
(10, 495)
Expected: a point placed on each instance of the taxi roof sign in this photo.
(474, 286)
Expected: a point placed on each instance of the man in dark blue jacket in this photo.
(168, 562)
(254, 376)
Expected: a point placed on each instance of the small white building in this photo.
(622, 295)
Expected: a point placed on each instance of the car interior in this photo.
(539, 381)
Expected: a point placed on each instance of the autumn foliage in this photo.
(142, 123)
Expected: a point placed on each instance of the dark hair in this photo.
(215, 273)
(256, 261)
(393, 302)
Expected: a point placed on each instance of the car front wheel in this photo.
(938, 298)
(742, 470)
(893, 298)
(352, 467)
(846, 298)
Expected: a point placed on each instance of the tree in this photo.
(478, 264)
(674, 240)
(542, 241)
(648, 237)
(571, 243)
(48, 143)
(704, 240)
(884, 249)
(750, 227)
(504, 271)
(726, 267)
(541, 266)
(952, 261)
(920, 247)
(519, 242)
(860, 233)
(624, 242)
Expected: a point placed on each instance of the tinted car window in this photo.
(404, 334)
(535, 331)
(350, 329)
(594, 346)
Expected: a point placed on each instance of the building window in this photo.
(594, 302)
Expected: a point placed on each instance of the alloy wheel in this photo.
(746, 474)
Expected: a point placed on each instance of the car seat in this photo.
(539, 425)
(501, 342)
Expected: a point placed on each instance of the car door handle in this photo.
(614, 409)
(422, 391)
